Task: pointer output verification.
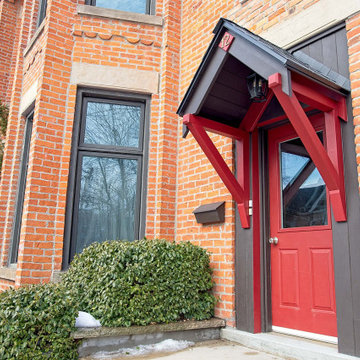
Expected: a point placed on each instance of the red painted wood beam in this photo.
(313, 145)
(237, 191)
(313, 97)
(342, 109)
(253, 115)
(312, 94)
(243, 166)
(221, 129)
(334, 149)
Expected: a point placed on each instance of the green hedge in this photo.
(142, 282)
(120, 283)
(36, 322)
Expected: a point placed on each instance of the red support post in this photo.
(239, 193)
(313, 145)
(334, 149)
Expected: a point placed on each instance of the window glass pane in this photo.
(303, 189)
(112, 124)
(138, 6)
(21, 190)
(42, 11)
(107, 200)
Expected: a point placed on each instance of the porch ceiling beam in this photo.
(197, 129)
(253, 115)
(313, 145)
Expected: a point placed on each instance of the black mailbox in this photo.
(210, 213)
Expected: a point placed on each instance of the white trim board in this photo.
(305, 334)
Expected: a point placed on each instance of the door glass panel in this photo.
(106, 209)
(138, 6)
(303, 189)
(112, 124)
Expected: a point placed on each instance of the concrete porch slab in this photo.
(289, 347)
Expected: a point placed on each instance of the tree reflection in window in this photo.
(303, 189)
(112, 124)
(107, 200)
(110, 159)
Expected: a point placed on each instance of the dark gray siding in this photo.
(330, 48)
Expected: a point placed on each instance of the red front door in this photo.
(302, 270)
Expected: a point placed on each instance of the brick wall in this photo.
(8, 21)
(353, 36)
(6, 284)
(14, 137)
(44, 205)
(165, 135)
(65, 38)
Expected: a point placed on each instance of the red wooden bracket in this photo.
(253, 115)
(334, 149)
(312, 94)
(303, 127)
(218, 128)
(239, 188)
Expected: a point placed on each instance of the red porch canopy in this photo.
(218, 101)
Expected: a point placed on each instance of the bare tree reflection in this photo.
(112, 124)
(303, 189)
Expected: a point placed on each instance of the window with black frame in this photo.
(137, 6)
(109, 172)
(42, 11)
(21, 189)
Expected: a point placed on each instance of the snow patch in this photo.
(164, 346)
(85, 320)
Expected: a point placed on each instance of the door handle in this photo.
(274, 240)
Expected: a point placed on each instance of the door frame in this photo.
(264, 202)
(277, 136)
(343, 235)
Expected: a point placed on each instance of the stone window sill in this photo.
(8, 273)
(119, 15)
(56, 276)
(38, 32)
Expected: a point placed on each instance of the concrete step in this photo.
(289, 347)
